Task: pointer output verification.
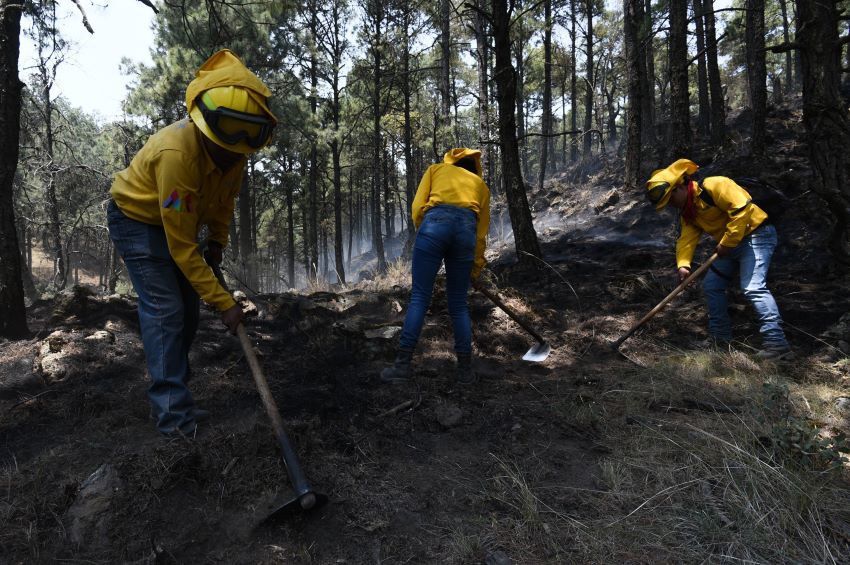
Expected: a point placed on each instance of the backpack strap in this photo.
(706, 197)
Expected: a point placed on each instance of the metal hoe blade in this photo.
(538, 352)
(288, 504)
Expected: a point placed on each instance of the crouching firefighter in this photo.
(451, 211)
(745, 240)
(186, 176)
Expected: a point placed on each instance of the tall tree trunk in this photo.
(633, 19)
(245, 228)
(825, 115)
(377, 70)
(519, 54)
(445, 77)
(409, 165)
(337, 54)
(680, 122)
(704, 115)
(546, 149)
(525, 238)
(786, 36)
(648, 115)
(483, 57)
(715, 87)
(590, 84)
(756, 72)
(313, 187)
(573, 85)
(13, 316)
(290, 236)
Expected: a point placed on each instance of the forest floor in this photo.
(667, 453)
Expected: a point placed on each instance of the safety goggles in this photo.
(233, 127)
(657, 192)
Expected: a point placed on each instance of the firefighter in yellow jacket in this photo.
(186, 176)
(451, 211)
(745, 240)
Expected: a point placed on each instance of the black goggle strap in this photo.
(657, 192)
(212, 114)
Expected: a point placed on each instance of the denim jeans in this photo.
(752, 258)
(169, 309)
(446, 234)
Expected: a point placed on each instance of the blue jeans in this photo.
(447, 234)
(752, 258)
(169, 309)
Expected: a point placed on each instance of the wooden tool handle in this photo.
(664, 302)
(513, 315)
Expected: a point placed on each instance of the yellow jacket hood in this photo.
(226, 69)
(672, 175)
(454, 155)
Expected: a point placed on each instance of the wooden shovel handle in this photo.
(513, 315)
(664, 302)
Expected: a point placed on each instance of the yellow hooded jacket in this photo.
(444, 183)
(731, 219)
(173, 182)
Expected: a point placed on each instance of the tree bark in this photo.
(377, 17)
(680, 136)
(786, 36)
(525, 238)
(482, 55)
(445, 70)
(546, 149)
(715, 87)
(756, 72)
(13, 316)
(704, 115)
(825, 115)
(589, 82)
(573, 85)
(633, 19)
(648, 114)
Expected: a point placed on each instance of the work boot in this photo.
(775, 354)
(464, 375)
(400, 372)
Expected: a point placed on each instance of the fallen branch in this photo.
(396, 409)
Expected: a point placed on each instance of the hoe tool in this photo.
(303, 497)
(539, 351)
(615, 345)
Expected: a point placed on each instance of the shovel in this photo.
(539, 351)
(616, 344)
(303, 497)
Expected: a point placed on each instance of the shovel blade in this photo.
(289, 504)
(538, 352)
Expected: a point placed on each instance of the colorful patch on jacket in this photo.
(178, 204)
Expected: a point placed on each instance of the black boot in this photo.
(399, 373)
(464, 375)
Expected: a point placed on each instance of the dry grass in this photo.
(692, 485)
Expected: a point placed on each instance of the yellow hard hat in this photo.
(661, 183)
(234, 118)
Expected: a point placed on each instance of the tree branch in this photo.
(85, 18)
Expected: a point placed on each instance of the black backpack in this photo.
(764, 195)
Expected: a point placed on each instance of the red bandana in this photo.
(689, 212)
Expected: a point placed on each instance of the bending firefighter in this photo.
(451, 211)
(745, 242)
(186, 176)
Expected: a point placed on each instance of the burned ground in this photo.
(663, 454)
